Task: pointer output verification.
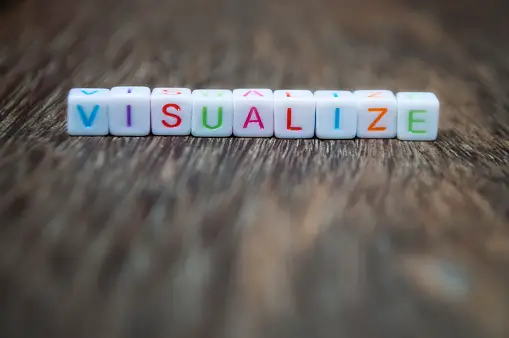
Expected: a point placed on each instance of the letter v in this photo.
(89, 93)
(88, 121)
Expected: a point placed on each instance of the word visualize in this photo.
(136, 111)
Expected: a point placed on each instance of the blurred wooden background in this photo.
(241, 238)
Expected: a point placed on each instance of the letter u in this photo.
(219, 118)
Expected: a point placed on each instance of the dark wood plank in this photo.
(190, 237)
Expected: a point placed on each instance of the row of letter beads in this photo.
(136, 111)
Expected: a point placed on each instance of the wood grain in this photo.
(234, 237)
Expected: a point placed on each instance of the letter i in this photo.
(129, 116)
(337, 115)
(336, 119)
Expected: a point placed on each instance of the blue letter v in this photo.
(88, 120)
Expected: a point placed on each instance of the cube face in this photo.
(294, 114)
(253, 112)
(129, 113)
(212, 113)
(87, 111)
(336, 114)
(171, 111)
(377, 114)
(418, 116)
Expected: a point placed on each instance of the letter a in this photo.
(258, 119)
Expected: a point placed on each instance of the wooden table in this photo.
(196, 237)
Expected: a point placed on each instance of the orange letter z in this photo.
(372, 126)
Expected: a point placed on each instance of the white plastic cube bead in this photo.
(87, 111)
(336, 114)
(418, 116)
(171, 111)
(377, 114)
(129, 113)
(294, 114)
(253, 112)
(212, 113)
